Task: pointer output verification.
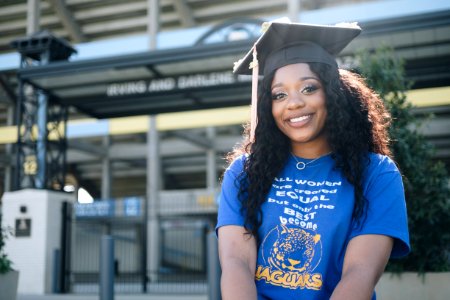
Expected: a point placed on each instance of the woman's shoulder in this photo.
(237, 165)
(380, 163)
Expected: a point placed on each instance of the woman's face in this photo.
(298, 107)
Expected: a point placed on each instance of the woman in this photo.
(312, 207)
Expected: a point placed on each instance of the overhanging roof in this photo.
(147, 83)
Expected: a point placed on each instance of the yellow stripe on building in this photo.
(203, 118)
(8, 134)
(128, 125)
(181, 120)
(429, 97)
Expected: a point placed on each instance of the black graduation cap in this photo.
(286, 43)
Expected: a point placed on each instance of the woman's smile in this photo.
(300, 121)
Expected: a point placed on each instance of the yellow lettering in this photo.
(290, 280)
(316, 283)
(276, 277)
(263, 273)
(300, 281)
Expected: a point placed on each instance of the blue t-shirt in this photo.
(307, 223)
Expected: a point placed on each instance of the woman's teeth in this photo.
(299, 119)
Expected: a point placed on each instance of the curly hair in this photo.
(356, 124)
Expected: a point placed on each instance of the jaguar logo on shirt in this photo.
(290, 255)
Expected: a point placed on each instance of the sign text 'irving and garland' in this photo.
(173, 83)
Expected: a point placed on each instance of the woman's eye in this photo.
(309, 89)
(278, 96)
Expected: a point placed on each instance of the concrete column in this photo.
(153, 22)
(106, 169)
(211, 172)
(37, 213)
(294, 10)
(8, 148)
(152, 209)
(33, 15)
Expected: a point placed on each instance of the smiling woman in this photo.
(299, 109)
(312, 206)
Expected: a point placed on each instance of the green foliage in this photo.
(5, 263)
(425, 180)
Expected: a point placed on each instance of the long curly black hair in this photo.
(356, 124)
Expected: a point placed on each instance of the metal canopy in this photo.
(148, 83)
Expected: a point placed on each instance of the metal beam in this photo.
(134, 172)
(133, 151)
(68, 20)
(13, 10)
(185, 12)
(221, 8)
(196, 139)
(87, 147)
(8, 90)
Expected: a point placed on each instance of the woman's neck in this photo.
(310, 150)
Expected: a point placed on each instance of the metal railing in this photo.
(185, 219)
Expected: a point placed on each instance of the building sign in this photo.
(103, 208)
(124, 207)
(132, 206)
(23, 227)
(174, 83)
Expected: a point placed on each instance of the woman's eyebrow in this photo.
(278, 84)
(308, 77)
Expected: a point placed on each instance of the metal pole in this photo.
(294, 10)
(8, 148)
(106, 169)
(41, 144)
(153, 22)
(19, 121)
(211, 161)
(66, 246)
(56, 271)
(107, 268)
(214, 270)
(33, 14)
(150, 254)
(153, 186)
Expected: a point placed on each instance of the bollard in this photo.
(56, 289)
(107, 268)
(213, 269)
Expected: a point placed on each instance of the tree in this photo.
(5, 263)
(425, 180)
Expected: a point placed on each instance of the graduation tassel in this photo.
(253, 109)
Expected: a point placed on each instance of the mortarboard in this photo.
(284, 43)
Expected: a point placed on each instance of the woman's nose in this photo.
(295, 101)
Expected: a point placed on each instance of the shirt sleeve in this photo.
(229, 205)
(386, 210)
